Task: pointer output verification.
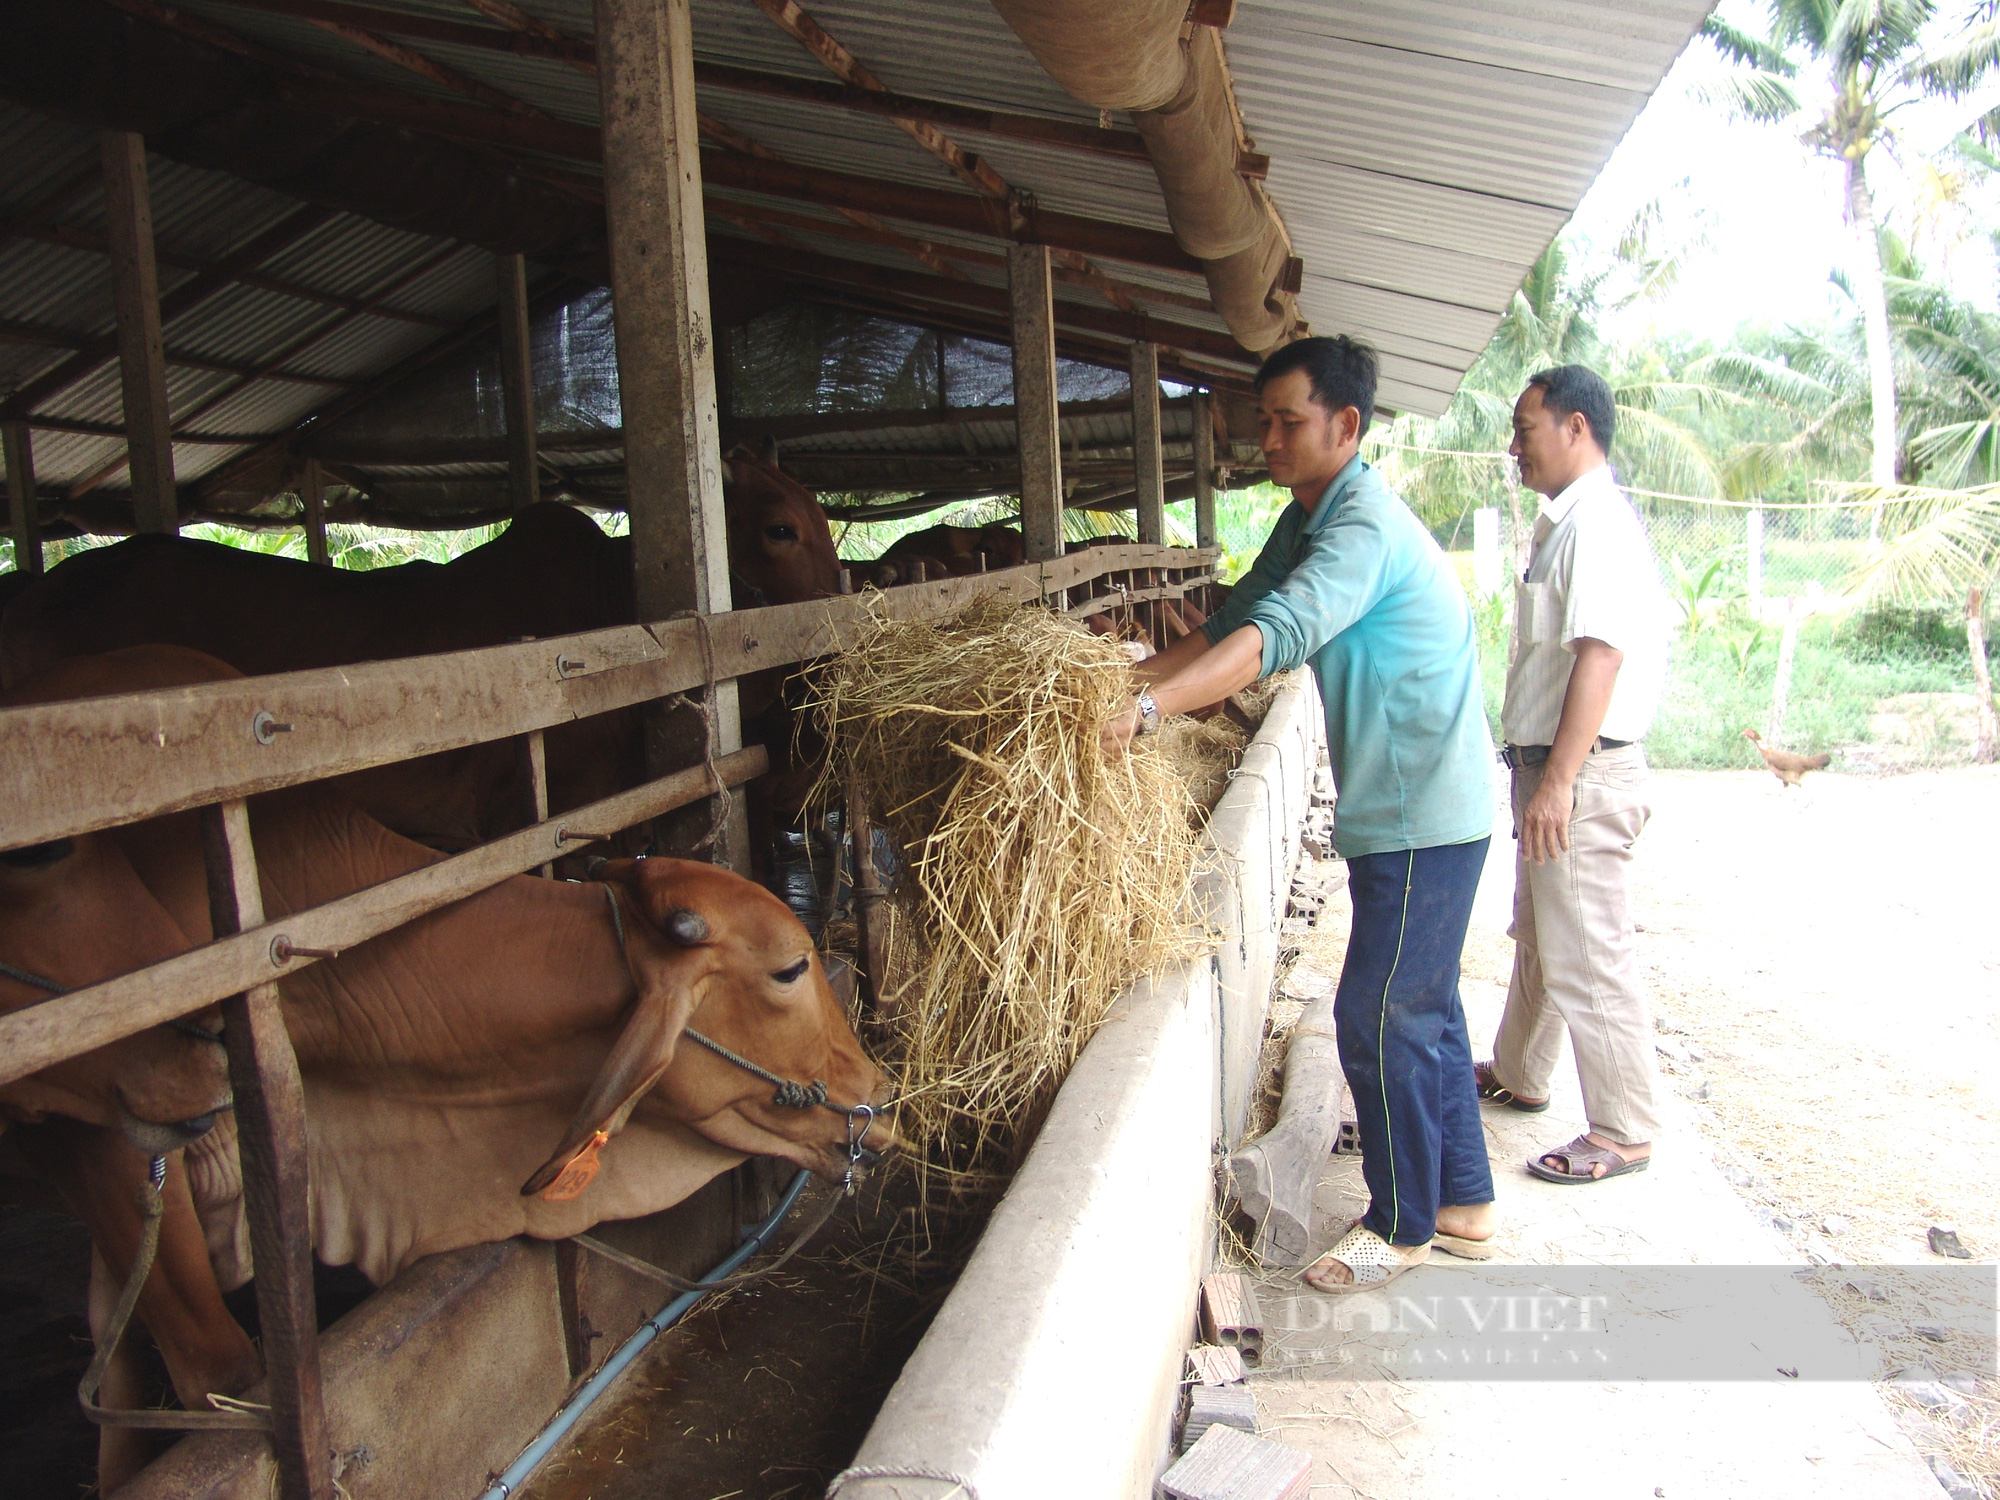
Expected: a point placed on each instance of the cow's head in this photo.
(714, 952)
(780, 546)
(74, 912)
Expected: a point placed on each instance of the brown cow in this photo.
(445, 1064)
(552, 572)
(948, 551)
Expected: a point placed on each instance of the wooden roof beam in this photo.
(797, 23)
(34, 335)
(1037, 130)
(732, 139)
(479, 325)
(51, 203)
(1086, 348)
(263, 370)
(1202, 341)
(189, 294)
(976, 174)
(524, 35)
(521, 41)
(1018, 220)
(781, 218)
(71, 238)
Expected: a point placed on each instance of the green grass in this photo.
(1841, 669)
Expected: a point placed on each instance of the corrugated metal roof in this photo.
(1423, 152)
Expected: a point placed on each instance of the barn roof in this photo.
(330, 182)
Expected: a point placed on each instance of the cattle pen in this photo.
(329, 269)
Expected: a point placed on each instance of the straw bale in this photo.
(1039, 877)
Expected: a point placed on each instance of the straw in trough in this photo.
(1039, 877)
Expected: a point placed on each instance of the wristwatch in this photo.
(1149, 714)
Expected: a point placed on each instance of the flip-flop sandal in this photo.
(1578, 1157)
(1490, 1087)
(1463, 1248)
(1370, 1260)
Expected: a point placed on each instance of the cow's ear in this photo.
(729, 467)
(644, 1049)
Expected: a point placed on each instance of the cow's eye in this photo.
(794, 973)
(781, 533)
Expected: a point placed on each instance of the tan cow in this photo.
(484, 1047)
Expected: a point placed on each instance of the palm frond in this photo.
(1763, 97)
(1942, 543)
(1960, 66)
(1745, 47)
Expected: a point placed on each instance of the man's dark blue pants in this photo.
(1403, 1042)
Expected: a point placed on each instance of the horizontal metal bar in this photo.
(98, 1014)
(73, 767)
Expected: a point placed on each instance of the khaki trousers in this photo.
(1575, 962)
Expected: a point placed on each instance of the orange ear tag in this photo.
(577, 1174)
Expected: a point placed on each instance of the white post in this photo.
(1781, 690)
(1486, 569)
(1753, 534)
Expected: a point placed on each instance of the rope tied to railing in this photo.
(722, 800)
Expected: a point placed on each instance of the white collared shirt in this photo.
(1592, 574)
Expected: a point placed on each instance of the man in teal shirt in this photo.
(1351, 582)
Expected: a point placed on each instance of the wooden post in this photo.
(1781, 688)
(517, 381)
(872, 939)
(23, 517)
(1987, 742)
(313, 492)
(1204, 469)
(535, 775)
(666, 362)
(1036, 416)
(271, 1140)
(1148, 468)
(135, 293)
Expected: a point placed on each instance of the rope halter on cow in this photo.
(791, 1094)
(232, 1416)
(177, 1023)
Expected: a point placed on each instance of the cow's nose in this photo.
(157, 1139)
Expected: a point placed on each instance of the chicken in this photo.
(1787, 767)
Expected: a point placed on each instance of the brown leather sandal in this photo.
(1490, 1087)
(1579, 1157)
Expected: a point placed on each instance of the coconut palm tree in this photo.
(1444, 466)
(1944, 541)
(1876, 57)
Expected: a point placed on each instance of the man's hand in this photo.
(1544, 830)
(1115, 738)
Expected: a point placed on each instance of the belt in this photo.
(1518, 756)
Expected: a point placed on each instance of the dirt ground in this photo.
(1825, 968)
(1831, 961)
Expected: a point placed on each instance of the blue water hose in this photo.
(572, 1411)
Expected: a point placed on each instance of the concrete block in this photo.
(1229, 1405)
(1230, 1465)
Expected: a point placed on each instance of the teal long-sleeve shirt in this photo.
(1360, 589)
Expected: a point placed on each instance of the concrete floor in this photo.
(1826, 1435)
